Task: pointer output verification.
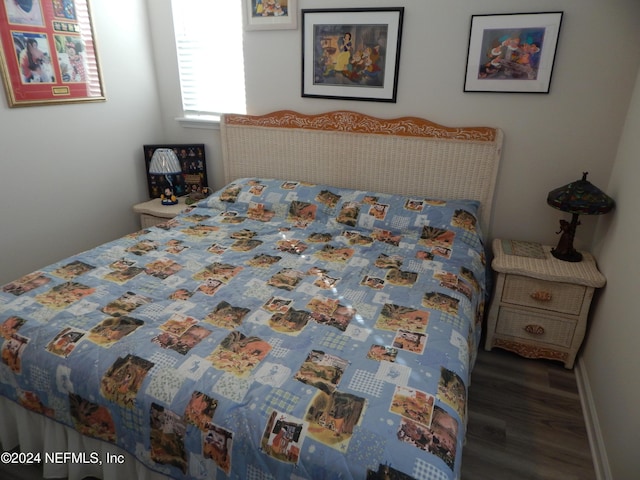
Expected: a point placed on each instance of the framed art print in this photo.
(270, 14)
(193, 178)
(512, 52)
(351, 53)
(48, 53)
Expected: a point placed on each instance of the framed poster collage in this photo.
(48, 52)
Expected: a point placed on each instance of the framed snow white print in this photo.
(48, 53)
(512, 52)
(351, 53)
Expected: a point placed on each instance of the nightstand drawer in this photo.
(553, 296)
(154, 212)
(531, 326)
(147, 221)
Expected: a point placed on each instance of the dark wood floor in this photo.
(525, 423)
(20, 472)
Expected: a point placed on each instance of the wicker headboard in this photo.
(410, 156)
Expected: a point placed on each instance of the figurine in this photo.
(195, 195)
(565, 244)
(564, 250)
(168, 198)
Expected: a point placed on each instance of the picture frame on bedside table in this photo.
(194, 169)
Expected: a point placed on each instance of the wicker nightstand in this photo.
(540, 304)
(153, 212)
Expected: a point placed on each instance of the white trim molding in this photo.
(596, 441)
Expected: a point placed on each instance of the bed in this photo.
(317, 317)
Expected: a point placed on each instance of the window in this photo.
(210, 56)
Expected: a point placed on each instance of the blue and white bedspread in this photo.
(275, 330)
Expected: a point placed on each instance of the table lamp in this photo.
(577, 198)
(165, 162)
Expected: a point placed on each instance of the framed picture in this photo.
(270, 14)
(512, 52)
(48, 53)
(193, 178)
(351, 53)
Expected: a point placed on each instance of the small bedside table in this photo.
(153, 212)
(540, 305)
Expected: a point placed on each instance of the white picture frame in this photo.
(270, 14)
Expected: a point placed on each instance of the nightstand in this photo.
(153, 212)
(540, 304)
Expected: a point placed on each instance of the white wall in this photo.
(611, 356)
(69, 174)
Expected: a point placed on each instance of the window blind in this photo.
(210, 56)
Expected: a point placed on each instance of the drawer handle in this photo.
(541, 296)
(534, 329)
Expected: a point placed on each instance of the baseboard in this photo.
(598, 450)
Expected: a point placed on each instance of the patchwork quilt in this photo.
(276, 329)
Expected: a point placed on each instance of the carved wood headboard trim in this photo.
(347, 121)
